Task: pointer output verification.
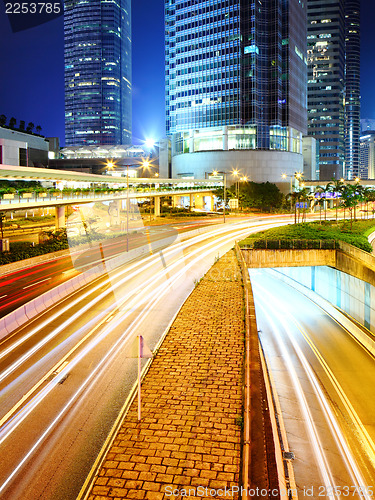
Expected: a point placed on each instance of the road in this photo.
(324, 380)
(65, 376)
(20, 286)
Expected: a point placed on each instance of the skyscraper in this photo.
(236, 85)
(352, 91)
(97, 72)
(333, 84)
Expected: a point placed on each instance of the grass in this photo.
(356, 236)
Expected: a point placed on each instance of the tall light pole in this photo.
(127, 207)
(147, 166)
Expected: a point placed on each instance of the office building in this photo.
(236, 76)
(97, 72)
(367, 156)
(352, 88)
(333, 85)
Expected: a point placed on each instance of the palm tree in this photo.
(304, 198)
(319, 200)
(371, 197)
(294, 198)
(336, 187)
(349, 199)
(358, 196)
(366, 194)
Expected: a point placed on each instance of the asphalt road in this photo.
(65, 376)
(21, 286)
(325, 384)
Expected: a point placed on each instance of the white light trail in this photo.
(159, 293)
(285, 317)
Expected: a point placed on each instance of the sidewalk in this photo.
(190, 433)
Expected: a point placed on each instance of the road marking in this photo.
(36, 283)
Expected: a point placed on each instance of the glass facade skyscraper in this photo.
(97, 72)
(236, 73)
(352, 92)
(333, 85)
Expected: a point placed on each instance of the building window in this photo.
(22, 157)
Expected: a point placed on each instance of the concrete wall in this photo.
(258, 166)
(11, 142)
(287, 258)
(347, 258)
(356, 262)
(350, 294)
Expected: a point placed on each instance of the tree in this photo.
(12, 122)
(294, 197)
(371, 198)
(264, 196)
(349, 199)
(30, 127)
(38, 129)
(336, 187)
(3, 120)
(22, 125)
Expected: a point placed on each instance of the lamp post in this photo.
(127, 208)
(147, 166)
(296, 175)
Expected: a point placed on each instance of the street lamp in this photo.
(296, 175)
(147, 166)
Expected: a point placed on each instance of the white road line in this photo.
(36, 283)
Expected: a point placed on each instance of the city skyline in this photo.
(33, 63)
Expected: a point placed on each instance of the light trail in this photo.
(159, 293)
(284, 317)
(114, 282)
(315, 441)
(136, 301)
(328, 309)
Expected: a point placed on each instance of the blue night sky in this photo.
(32, 71)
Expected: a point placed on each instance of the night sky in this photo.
(32, 71)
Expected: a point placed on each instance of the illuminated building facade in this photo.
(97, 38)
(333, 85)
(236, 73)
(352, 91)
(367, 156)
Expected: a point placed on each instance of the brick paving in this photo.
(190, 433)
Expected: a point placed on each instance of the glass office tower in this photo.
(333, 84)
(352, 92)
(236, 73)
(97, 72)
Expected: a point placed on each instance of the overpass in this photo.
(119, 188)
